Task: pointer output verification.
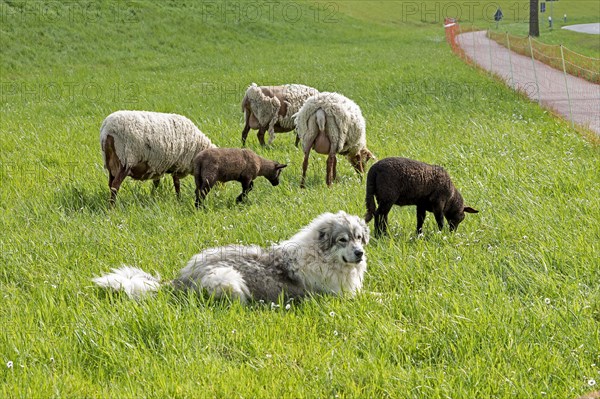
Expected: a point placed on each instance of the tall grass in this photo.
(508, 306)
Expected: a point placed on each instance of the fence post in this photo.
(512, 77)
(473, 34)
(562, 56)
(537, 85)
(489, 37)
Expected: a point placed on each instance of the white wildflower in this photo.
(332, 314)
(9, 364)
(288, 306)
(591, 382)
(547, 301)
(335, 333)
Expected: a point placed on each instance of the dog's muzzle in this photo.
(357, 256)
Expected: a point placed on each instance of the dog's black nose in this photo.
(358, 253)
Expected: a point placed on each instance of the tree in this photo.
(534, 25)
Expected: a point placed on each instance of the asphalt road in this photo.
(548, 86)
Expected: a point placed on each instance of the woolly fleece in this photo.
(166, 142)
(345, 126)
(266, 109)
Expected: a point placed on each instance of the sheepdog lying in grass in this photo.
(325, 257)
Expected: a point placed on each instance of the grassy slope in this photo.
(509, 306)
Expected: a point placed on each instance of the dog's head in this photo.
(343, 236)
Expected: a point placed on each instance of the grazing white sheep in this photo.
(332, 124)
(146, 145)
(271, 108)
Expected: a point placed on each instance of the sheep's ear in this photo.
(280, 166)
(468, 209)
(368, 155)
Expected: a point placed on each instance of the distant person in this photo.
(498, 16)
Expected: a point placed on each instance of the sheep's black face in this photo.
(455, 219)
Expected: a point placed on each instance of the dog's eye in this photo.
(359, 237)
(343, 240)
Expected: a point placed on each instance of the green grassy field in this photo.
(508, 306)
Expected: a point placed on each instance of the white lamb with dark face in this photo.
(402, 181)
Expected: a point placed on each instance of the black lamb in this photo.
(403, 181)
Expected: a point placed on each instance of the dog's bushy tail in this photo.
(135, 282)
(370, 197)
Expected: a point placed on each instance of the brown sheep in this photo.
(403, 181)
(226, 164)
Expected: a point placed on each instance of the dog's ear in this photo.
(325, 234)
(468, 209)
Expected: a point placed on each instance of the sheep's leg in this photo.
(177, 185)
(115, 184)
(421, 213)
(305, 165)
(261, 135)
(271, 135)
(439, 217)
(335, 169)
(331, 160)
(381, 218)
(246, 130)
(247, 186)
(202, 189)
(155, 184)
(361, 168)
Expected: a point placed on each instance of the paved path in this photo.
(517, 70)
(593, 29)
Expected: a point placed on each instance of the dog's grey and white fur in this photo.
(325, 257)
